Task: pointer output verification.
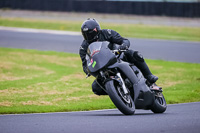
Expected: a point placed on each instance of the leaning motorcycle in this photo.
(123, 81)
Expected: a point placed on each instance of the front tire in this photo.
(123, 102)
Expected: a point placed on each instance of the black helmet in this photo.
(90, 30)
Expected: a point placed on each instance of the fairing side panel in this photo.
(126, 69)
(142, 95)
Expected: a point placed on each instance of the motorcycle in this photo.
(123, 81)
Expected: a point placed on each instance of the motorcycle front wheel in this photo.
(122, 101)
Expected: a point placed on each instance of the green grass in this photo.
(46, 81)
(126, 30)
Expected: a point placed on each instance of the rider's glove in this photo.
(85, 70)
(122, 47)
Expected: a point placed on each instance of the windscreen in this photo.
(94, 48)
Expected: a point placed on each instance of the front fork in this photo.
(123, 84)
(120, 80)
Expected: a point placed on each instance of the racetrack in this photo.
(181, 51)
(179, 118)
(182, 118)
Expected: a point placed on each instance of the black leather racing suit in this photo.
(114, 38)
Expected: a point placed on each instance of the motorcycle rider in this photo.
(92, 32)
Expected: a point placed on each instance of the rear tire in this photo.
(123, 102)
(159, 105)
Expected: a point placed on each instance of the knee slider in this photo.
(138, 56)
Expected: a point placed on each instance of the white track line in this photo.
(39, 31)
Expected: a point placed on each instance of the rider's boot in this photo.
(146, 72)
(152, 78)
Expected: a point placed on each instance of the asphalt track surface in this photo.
(180, 51)
(179, 118)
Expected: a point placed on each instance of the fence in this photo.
(178, 9)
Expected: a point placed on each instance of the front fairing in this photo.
(99, 56)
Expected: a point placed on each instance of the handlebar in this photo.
(118, 51)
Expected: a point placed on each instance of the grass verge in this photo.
(36, 81)
(126, 30)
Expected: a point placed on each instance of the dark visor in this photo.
(90, 35)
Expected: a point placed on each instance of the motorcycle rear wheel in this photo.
(159, 105)
(123, 102)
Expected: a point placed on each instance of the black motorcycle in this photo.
(123, 81)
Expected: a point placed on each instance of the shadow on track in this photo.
(120, 114)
